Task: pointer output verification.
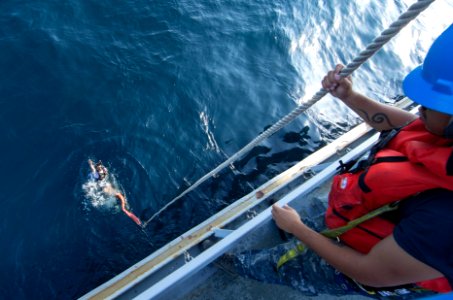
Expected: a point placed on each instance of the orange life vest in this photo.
(413, 161)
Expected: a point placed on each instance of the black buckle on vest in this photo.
(345, 167)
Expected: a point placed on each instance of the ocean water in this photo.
(162, 92)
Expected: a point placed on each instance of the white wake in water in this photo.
(97, 195)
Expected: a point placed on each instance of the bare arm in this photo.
(377, 115)
(91, 163)
(386, 264)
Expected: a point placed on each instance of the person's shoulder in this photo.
(93, 176)
(436, 194)
(435, 200)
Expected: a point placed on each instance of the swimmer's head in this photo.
(102, 171)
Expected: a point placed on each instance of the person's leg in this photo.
(307, 273)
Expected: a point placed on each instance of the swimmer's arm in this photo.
(387, 264)
(93, 169)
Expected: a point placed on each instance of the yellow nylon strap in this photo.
(290, 254)
(336, 232)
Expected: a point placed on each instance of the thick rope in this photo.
(413, 11)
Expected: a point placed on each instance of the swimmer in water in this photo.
(98, 173)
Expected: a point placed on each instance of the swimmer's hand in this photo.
(91, 163)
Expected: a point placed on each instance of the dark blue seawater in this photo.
(162, 92)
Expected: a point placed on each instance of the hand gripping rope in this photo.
(413, 11)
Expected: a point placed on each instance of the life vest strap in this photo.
(357, 165)
(385, 159)
(336, 232)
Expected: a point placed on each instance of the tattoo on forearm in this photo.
(377, 118)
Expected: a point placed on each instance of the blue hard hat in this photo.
(431, 84)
